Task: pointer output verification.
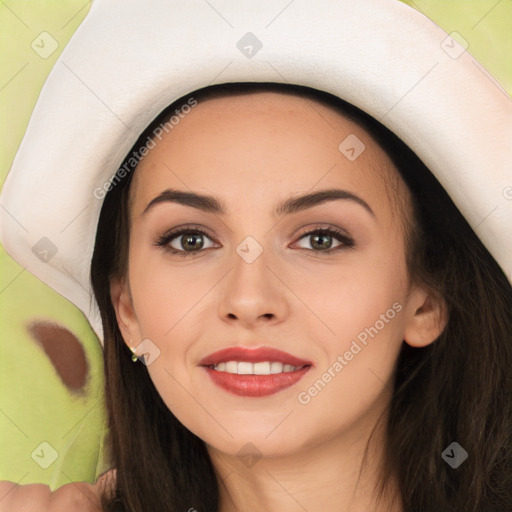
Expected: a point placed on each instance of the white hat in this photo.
(129, 60)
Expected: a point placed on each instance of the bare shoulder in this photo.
(76, 496)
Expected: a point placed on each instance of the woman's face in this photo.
(255, 279)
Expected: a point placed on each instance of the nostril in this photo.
(64, 350)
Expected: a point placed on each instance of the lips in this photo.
(252, 355)
(255, 372)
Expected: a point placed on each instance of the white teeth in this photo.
(261, 368)
(276, 367)
(231, 367)
(244, 368)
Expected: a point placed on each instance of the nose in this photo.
(254, 293)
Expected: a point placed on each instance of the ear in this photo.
(427, 317)
(121, 297)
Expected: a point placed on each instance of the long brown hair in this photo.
(457, 389)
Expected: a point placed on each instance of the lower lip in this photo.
(255, 385)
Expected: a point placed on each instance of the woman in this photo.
(394, 337)
(412, 268)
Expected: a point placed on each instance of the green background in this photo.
(35, 405)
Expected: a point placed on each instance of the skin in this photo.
(76, 496)
(293, 297)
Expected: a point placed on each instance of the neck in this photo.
(328, 476)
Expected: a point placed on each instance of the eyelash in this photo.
(164, 240)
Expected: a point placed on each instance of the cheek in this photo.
(352, 296)
(166, 306)
(165, 294)
(363, 306)
(354, 380)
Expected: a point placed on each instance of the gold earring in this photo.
(134, 357)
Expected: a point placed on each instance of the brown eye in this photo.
(186, 241)
(191, 242)
(321, 240)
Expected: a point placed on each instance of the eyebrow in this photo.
(211, 204)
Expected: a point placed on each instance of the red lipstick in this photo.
(253, 355)
(222, 367)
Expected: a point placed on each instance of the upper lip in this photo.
(252, 355)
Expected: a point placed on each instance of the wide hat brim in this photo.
(127, 62)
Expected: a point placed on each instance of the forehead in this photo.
(264, 146)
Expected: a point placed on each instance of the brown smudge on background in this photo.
(65, 352)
